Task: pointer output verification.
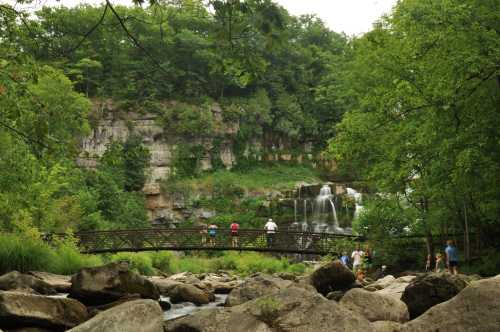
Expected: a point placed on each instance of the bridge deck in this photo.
(195, 239)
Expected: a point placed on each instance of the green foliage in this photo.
(69, 260)
(139, 262)
(187, 120)
(269, 309)
(23, 253)
(423, 121)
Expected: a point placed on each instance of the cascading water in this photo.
(358, 201)
(324, 210)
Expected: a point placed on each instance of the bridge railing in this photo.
(197, 239)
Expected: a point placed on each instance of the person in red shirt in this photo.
(234, 233)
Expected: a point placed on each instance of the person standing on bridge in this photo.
(271, 229)
(235, 227)
(212, 233)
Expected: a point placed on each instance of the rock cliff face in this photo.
(113, 125)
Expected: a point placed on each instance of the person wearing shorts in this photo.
(451, 257)
(212, 233)
(235, 227)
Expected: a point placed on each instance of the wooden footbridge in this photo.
(195, 239)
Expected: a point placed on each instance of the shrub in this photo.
(139, 262)
(69, 260)
(23, 253)
(163, 261)
(269, 309)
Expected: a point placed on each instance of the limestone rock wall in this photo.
(113, 124)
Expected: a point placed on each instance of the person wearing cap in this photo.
(271, 229)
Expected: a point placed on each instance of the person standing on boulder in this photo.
(451, 257)
(271, 229)
(357, 259)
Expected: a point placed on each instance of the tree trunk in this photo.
(466, 235)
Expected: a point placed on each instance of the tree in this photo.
(424, 93)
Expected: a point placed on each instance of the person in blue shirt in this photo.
(451, 257)
(344, 259)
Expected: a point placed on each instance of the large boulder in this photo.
(381, 283)
(19, 281)
(475, 309)
(60, 283)
(189, 293)
(427, 290)
(133, 316)
(332, 276)
(254, 287)
(164, 285)
(217, 320)
(396, 288)
(289, 309)
(20, 309)
(108, 283)
(375, 307)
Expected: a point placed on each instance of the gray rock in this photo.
(189, 293)
(19, 309)
(108, 283)
(255, 287)
(332, 276)
(396, 288)
(335, 295)
(475, 309)
(60, 283)
(381, 283)
(375, 307)
(15, 280)
(290, 309)
(385, 326)
(427, 290)
(217, 320)
(133, 316)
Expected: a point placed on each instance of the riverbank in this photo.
(115, 298)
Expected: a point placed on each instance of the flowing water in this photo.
(188, 308)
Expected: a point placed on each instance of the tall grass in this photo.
(25, 253)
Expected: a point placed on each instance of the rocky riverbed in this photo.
(113, 298)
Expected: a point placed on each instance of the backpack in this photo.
(234, 227)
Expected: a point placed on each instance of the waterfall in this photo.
(358, 201)
(305, 210)
(324, 208)
(295, 210)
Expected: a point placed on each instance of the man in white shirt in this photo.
(357, 259)
(271, 229)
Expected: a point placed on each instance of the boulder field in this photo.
(113, 298)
